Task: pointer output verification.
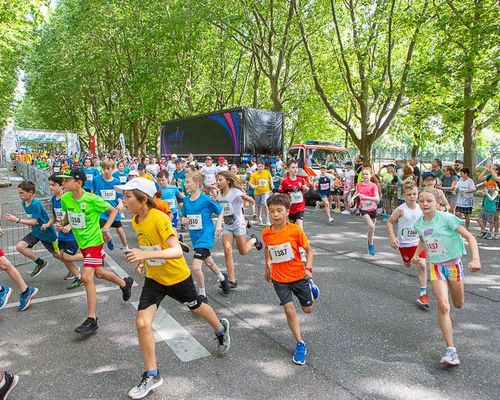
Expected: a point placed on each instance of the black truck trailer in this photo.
(235, 133)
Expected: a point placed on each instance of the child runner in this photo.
(336, 191)
(429, 182)
(26, 292)
(465, 188)
(295, 187)
(441, 235)
(37, 216)
(90, 173)
(488, 212)
(197, 213)
(324, 186)
(121, 174)
(367, 192)
(285, 269)
(349, 176)
(66, 242)
(83, 210)
(407, 239)
(167, 274)
(231, 199)
(261, 182)
(104, 186)
(170, 194)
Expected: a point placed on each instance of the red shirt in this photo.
(294, 189)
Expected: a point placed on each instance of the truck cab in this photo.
(311, 155)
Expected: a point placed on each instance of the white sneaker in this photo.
(345, 212)
(330, 220)
(450, 357)
(147, 384)
(317, 206)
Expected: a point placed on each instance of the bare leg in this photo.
(293, 321)
(6, 265)
(208, 314)
(440, 289)
(197, 272)
(22, 247)
(227, 244)
(144, 326)
(88, 281)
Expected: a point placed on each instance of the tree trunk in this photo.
(365, 148)
(469, 142)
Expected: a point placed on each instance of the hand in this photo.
(305, 188)
(135, 255)
(414, 260)
(267, 275)
(66, 229)
(307, 274)
(185, 220)
(394, 243)
(218, 230)
(106, 236)
(9, 217)
(44, 227)
(139, 268)
(59, 226)
(119, 207)
(474, 265)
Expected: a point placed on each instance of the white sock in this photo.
(202, 292)
(221, 277)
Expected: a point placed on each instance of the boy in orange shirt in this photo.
(284, 267)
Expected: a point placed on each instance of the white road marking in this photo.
(64, 296)
(182, 343)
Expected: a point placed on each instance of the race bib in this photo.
(195, 222)
(59, 214)
(77, 220)
(123, 179)
(409, 233)
(57, 169)
(90, 177)
(227, 209)
(367, 205)
(263, 182)
(324, 186)
(281, 253)
(435, 247)
(153, 262)
(296, 197)
(171, 204)
(108, 194)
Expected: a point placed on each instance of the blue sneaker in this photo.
(314, 289)
(300, 353)
(385, 217)
(371, 249)
(111, 245)
(4, 295)
(25, 299)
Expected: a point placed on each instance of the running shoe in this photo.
(69, 276)
(423, 302)
(318, 206)
(225, 284)
(331, 220)
(38, 268)
(314, 289)
(87, 327)
(450, 358)
(482, 234)
(145, 386)
(224, 340)
(249, 225)
(127, 290)
(232, 285)
(258, 243)
(371, 249)
(75, 283)
(185, 248)
(345, 212)
(300, 356)
(110, 245)
(488, 236)
(9, 384)
(5, 293)
(25, 298)
(203, 299)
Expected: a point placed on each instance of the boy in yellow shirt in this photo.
(261, 182)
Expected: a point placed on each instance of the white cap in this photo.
(133, 172)
(142, 184)
(174, 156)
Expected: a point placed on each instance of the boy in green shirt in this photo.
(82, 211)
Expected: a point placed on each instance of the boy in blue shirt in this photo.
(170, 194)
(104, 186)
(197, 214)
(36, 217)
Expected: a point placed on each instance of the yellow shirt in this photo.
(147, 176)
(263, 181)
(152, 234)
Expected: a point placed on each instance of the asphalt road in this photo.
(366, 337)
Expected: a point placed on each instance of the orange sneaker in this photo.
(423, 302)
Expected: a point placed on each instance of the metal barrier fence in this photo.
(5, 174)
(13, 233)
(36, 175)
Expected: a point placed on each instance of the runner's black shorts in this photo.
(69, 247)
(300, 289)
(154, 292)
(32, 240)
(201, 254)
(372, 213)
(294, 217)
(115, 224)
